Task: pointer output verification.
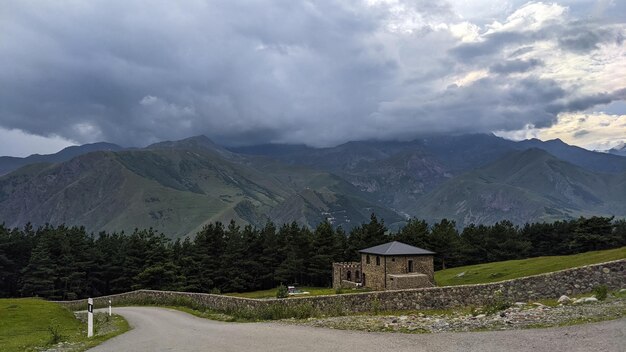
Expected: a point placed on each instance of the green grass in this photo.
(27, 324)
(511, 269)
(271, 293)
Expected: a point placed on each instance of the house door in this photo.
(363, 281)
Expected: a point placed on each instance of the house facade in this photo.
(390, 266)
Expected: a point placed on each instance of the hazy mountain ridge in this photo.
(530, 185)
(174, 189)
(177, 186)
(400, 174)
(10, 163)
(619, 150)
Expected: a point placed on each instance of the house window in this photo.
(367, 259)
(349, 275)
(377, 260)
(410, 266)
(393, 259)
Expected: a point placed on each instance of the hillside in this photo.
(176, 188)
(512, 269)
(8, 163)
(621, 151)
(400, 174)
(530, 185)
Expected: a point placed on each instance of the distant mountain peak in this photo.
(195, 141)
(619, 149)
(200, 142)
(8, 164)
(535, 152)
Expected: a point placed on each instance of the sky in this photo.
(314, 72)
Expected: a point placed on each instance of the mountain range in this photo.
(178, 186)
(619, 150)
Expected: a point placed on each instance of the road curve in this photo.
(158, 329)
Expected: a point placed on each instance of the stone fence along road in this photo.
(550, 285)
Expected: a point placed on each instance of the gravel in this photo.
(519, 316)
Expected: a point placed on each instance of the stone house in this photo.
(390, 266)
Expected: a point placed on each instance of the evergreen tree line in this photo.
(60, 262)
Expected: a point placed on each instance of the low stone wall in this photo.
(551, 285)
(169, 298)
(345, 284)
(408, 281)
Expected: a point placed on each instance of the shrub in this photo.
(55, 333)
(275, 311)
(282, 291)
(375, 305)
(497, 303)
(600, 292)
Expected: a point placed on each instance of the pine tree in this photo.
(209, 245)
(326, 250)
(415, 233)
(444, 240)
(40, 274)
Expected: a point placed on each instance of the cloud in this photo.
(20, 144)
(515, 66)
(580, 133)
(594, 131)
(321, 73)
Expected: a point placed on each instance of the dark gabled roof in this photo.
(396, 248)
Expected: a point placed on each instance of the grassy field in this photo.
(484, 273)
(499, 271)
(271, 293)
(28, 324)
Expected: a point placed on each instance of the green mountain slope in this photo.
(175, 188)
(9, 163)
(531, 185)
(398, 174)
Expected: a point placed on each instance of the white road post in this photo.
(89, 317)
(110, 313)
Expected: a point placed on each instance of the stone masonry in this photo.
(346, 274)
(570, 282)
(378, 273)
(388, 266)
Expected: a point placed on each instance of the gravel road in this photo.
(158, 329)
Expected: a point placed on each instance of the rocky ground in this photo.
(518, 316)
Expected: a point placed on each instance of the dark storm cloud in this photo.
(587, 101)
(520, 101)
(580, 37)
(323, 72)
(572, 36)
(515, 66)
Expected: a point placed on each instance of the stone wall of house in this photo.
(422, 264)
(551, 285)
(346, 271)
(374, 271)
